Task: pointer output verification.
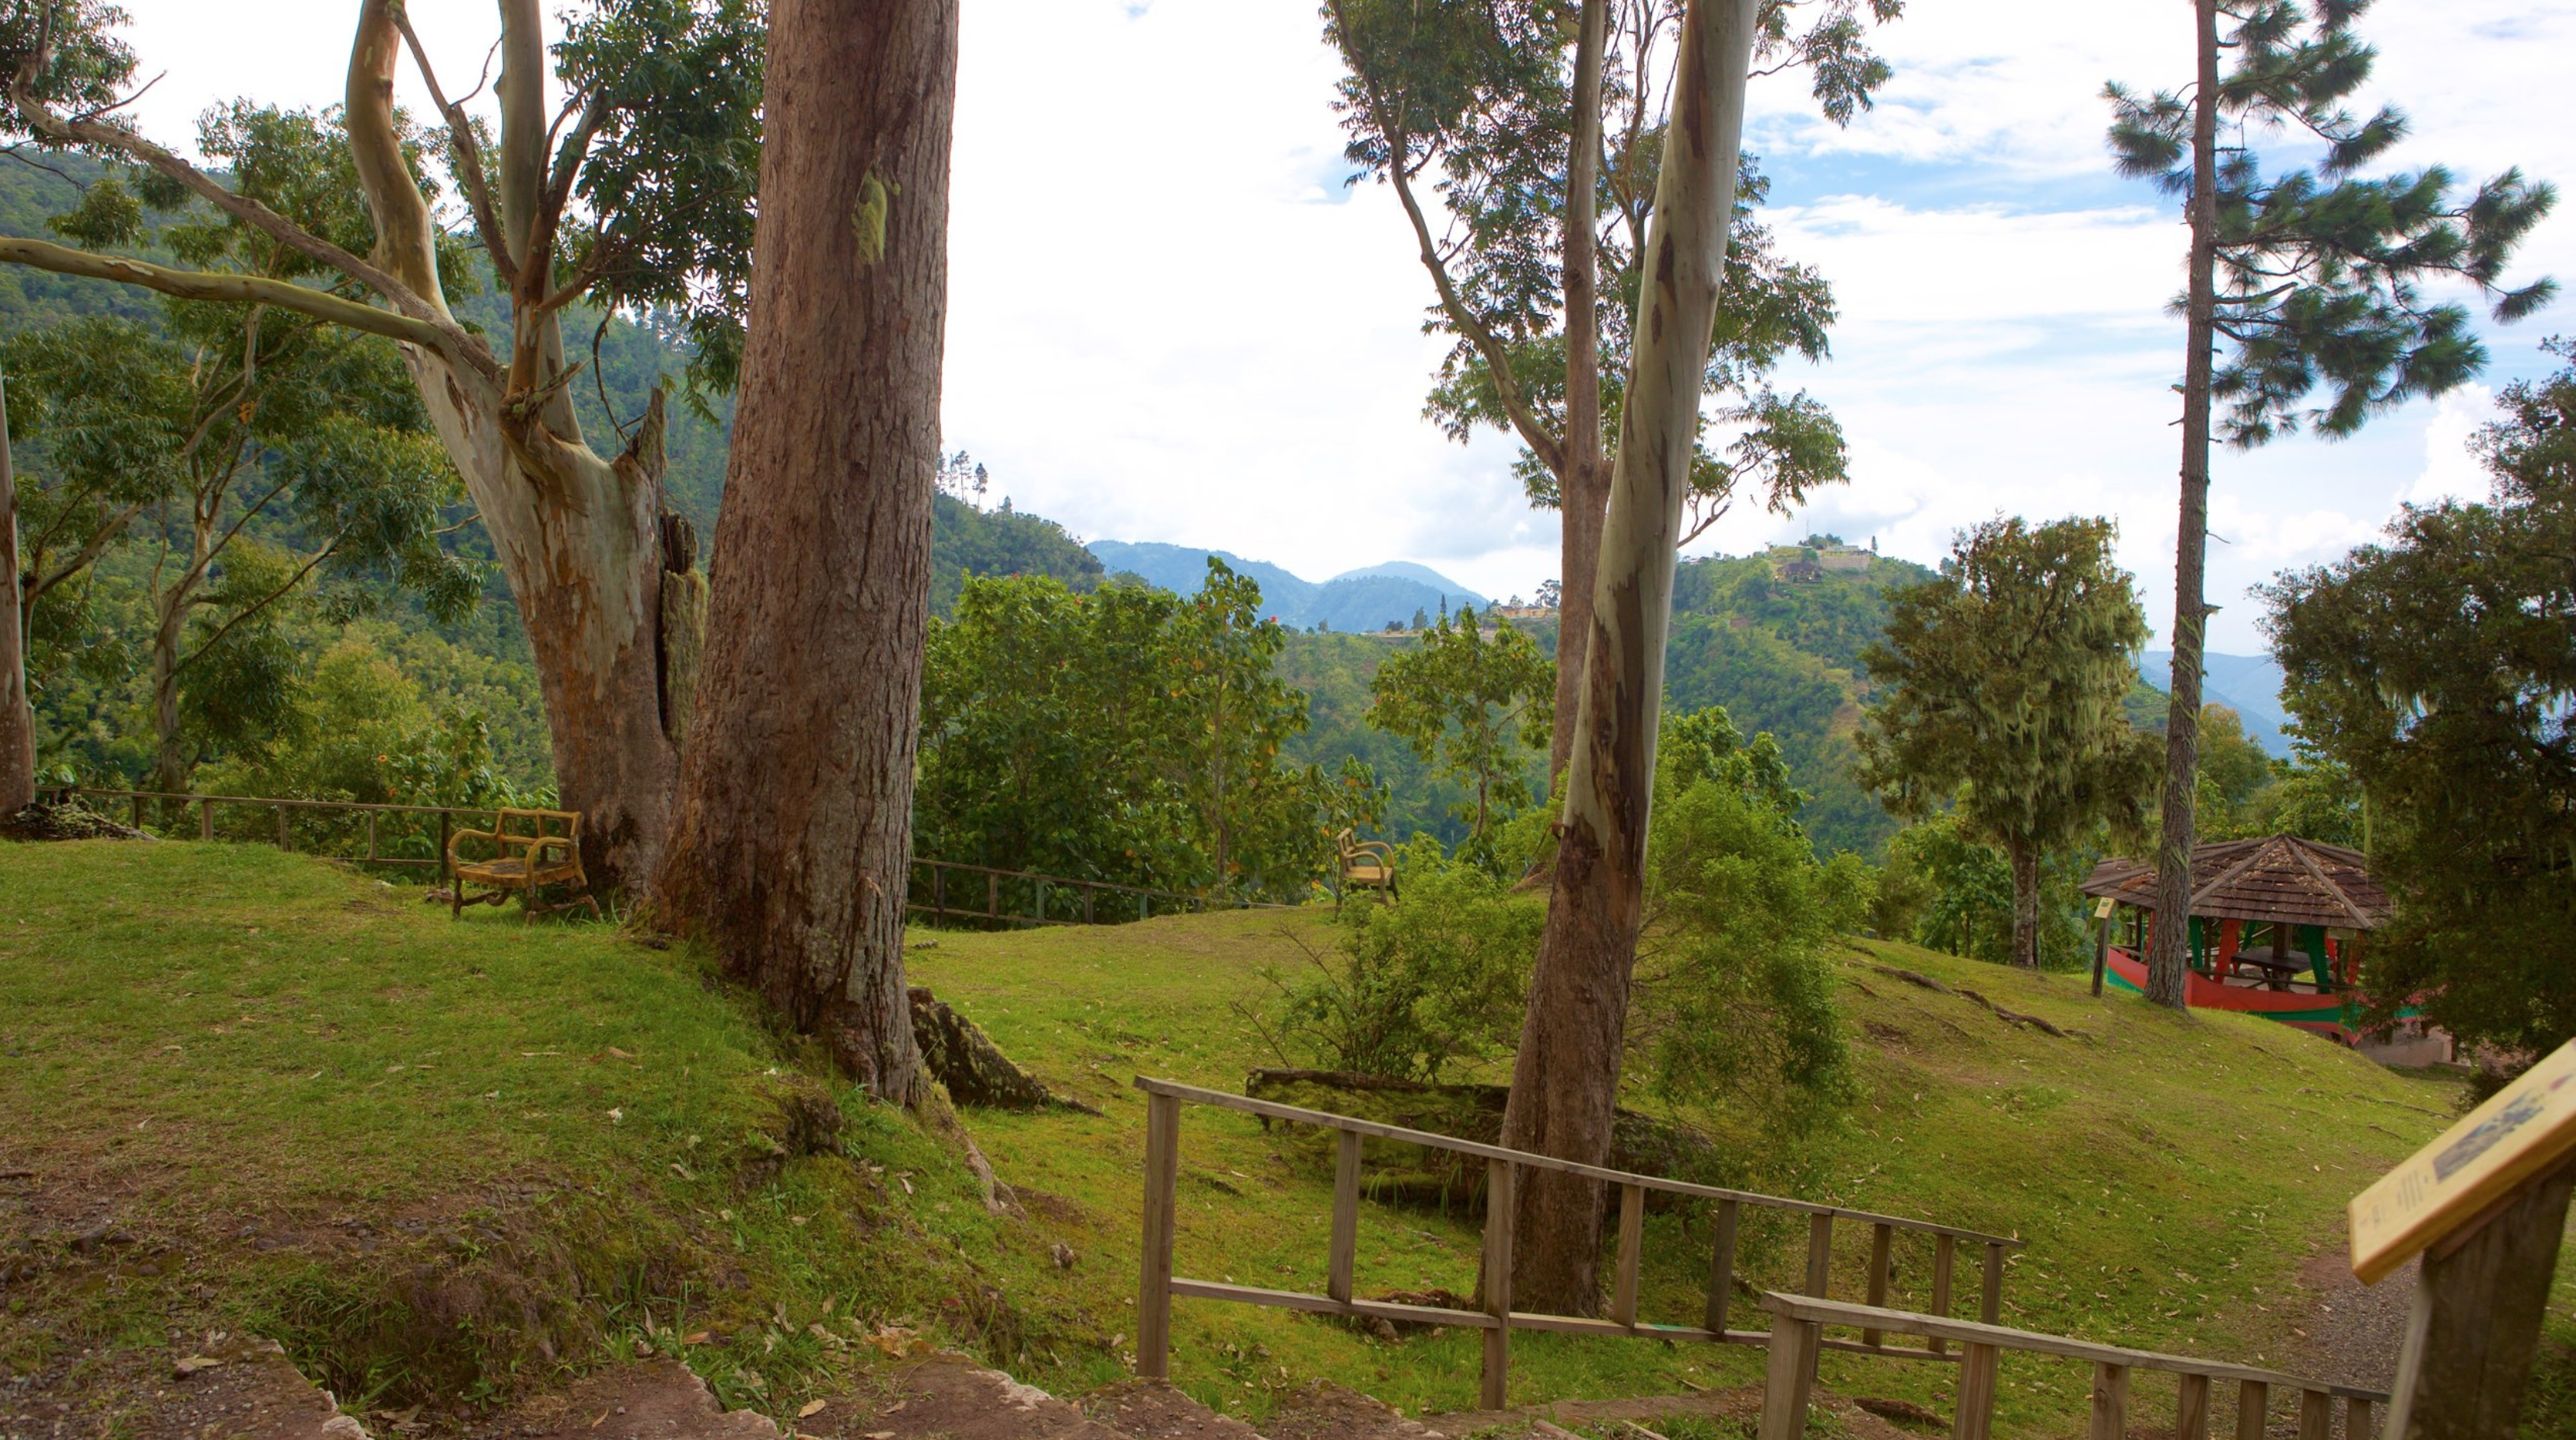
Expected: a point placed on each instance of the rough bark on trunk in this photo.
(1582, 487)
(2025, 903)
(17, 716)
(170, 760)
(1565, 1079)
(2168, 959)
(792, 848)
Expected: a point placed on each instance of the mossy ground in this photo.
(460, 1160)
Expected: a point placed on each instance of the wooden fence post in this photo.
(1977, 1367)
(2110, 1403)
(992, 897)
(2479, 1303)
(2191, 1409)
(446, 832)
(1498, 1283)
(1820, 1254)
(2253, 1398)
(1721, 1268)
(2356, 1419)
(1990, 1306)
(205, 819)
(281, 829)
(2316, 1415)
(138, 811)
(371, 835)
(1794, 1346)
(1346, 1214)
(1945, 1259)
(1632, 1232)
(1154, 1289)
(1087, 892)
(1881, 1236)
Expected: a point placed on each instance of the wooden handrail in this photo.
(1276, 1111)
(1797, 1333)
(1157, 1284)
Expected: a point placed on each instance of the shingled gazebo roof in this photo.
(2283, 878)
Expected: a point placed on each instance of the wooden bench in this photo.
(547, 846)
(1364, 865)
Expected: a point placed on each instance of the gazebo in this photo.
(2276, 927)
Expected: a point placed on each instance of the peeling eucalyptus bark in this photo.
(1565, 1079)
(791, 854)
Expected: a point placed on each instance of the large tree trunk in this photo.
(2168, 956)
(579, 536)
(792, 848)
(17, 717)
(1565, 1080)
(171, 761)
(2025, 903)
(1582, 484)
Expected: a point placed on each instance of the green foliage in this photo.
(1734, 998)
(1480, 706)
(2439, 668)
(967, 541)
(2003, 681)
(1481, 97)
(1128, 734)
(1411, 988)
(357, 727)
(1944, 889)
(2320, 271)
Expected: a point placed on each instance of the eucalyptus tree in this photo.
(636, 193)
(2000, 683)
(794, 844)
(1539, 126)
(2313, 279)
(17, 717)
(1565, 1074)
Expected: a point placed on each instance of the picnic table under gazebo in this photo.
(2276, 929)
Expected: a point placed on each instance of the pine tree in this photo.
(2313, 278)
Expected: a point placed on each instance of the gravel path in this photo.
(2353, 1331)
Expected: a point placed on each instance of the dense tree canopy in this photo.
(2439, 668)
(2003, 680)
(1477, 705)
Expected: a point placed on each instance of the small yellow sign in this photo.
(2525, 1129)
(2103, 910)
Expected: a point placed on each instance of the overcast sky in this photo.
(1171, 320)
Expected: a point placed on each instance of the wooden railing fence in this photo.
(1006, 897)
(1498, 1319)
(1797, 1333)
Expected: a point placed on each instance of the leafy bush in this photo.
(1734, 1000)
(1409, 989)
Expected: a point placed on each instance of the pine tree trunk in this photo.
(2168, 960)
(1582, 482)
(17, 717)
(792, 849)
(1565, 1079)
(2025, 919)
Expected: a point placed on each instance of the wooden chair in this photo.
(1365, 865)
(548, 846)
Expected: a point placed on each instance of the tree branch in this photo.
(237, 289)
(1550, 452)
(468, 161)
(257, 606)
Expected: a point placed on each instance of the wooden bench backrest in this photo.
(566, 823)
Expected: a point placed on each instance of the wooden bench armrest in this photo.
(1378, 849)
(457, 840)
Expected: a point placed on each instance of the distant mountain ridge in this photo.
(1369, 598)
(2250, 685)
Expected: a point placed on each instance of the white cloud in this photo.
(1170, 320)
(2451, 472)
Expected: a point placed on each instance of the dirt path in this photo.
(2352, 1331)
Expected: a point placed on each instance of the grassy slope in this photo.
(439, 1159)
(2170, 1175)
(326, 1111)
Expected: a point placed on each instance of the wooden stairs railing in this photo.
(1158, 1285)
(1799, 1323)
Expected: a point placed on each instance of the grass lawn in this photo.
(241, 1089)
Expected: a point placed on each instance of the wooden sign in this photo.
(2525, 1129)
(2103, 910)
